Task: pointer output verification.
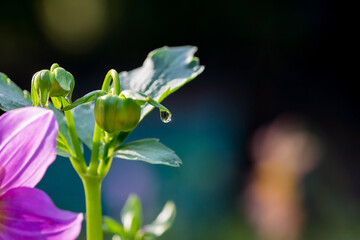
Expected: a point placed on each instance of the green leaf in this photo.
(62, 147)
(11, 96)
(27, 95)
(84, 122)
(163, 221)
(164, 71)
(112, 227)
(63, 153)
(63, 134)
(85, 99)
(131, 215)
(142, 98)
(148, 150)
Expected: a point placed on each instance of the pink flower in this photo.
(27, 148)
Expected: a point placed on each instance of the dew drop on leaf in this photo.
(165, 116)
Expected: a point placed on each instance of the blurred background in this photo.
(268, 133)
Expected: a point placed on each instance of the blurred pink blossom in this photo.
(27, 148)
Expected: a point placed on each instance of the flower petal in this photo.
(27, 146)
(29, 214)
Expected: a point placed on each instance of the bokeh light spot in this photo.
(73, 25)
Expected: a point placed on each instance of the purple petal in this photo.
(27, 146)
(29, 214)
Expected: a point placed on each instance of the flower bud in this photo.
(54, 83)
(114, 113)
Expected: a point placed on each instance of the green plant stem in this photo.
(105, 166)
(78, 162)
(112, 75)
(92, 187)
(92, 180)
(106, 159)
(94, 160)
(73, 135)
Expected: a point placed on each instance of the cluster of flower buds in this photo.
(56, 82)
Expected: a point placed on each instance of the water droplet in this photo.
(165, 116)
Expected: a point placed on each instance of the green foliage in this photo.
(110, 226)
(64, 145)
(131, 218)
(11, 96)
(164, 71)
(148, 150)
(85, 122)
(162, 223)
(85, 99)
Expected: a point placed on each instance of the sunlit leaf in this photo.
(131, 215)
(163, 221)
(148, 150)
(61, 152)
(164, 71)
(63, 133)
(84, 122)
(112, 227)
(85, 99)
(63, 78)
(11, 96)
